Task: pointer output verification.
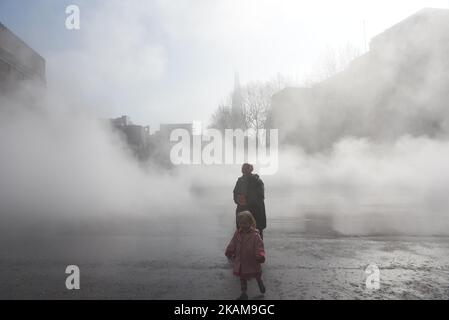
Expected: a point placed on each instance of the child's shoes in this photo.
(243, 296)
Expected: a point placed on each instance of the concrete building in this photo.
(422, 30)
(145, 145)
(161, 144)
(22, 70)
(137, 136)
(166, 129)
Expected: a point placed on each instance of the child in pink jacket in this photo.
(247, 252)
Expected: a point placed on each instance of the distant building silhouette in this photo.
(136, 136)
(165, 129)
(399, 87)
(145, 145)
(161, 141)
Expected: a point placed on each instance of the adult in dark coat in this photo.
(249, 194)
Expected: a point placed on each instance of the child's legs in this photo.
(243, 284)
(260, 283)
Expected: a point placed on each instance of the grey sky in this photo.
(174, 61)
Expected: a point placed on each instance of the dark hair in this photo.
(247, 168)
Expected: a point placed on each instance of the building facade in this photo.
(22, 70)
(397, 88)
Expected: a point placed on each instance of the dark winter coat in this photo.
(252, 188)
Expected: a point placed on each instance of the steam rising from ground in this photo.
(58, 163)
(368, 187)
(69, 166)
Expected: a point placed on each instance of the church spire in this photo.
(237, 99)
(237, 114)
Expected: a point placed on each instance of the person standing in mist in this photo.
(249, 195)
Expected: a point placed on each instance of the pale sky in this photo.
(174, 61)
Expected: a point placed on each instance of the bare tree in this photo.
(333, 62)
(256, 103)
(346, 55)
(221, 119)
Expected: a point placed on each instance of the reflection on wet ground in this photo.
(181, 257)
